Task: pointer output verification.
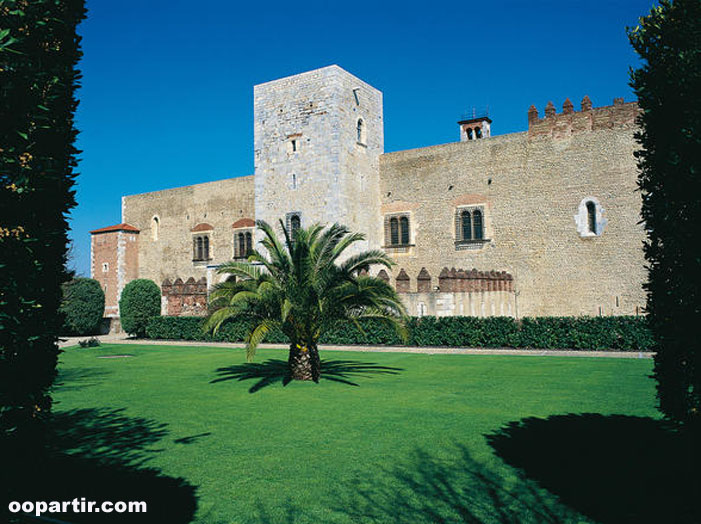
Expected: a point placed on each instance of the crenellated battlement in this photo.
(185, 298)
(620, 115)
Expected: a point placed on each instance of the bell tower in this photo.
(475, 126)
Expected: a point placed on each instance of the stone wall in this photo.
(187, 298)
(309, 158)
(166, 248)
(456, 292)
(559, 202)
(531, 186)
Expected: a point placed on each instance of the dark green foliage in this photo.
(83, 306)
(39, 50)
(592, 333)
(668, 84)
(139, 303)
(92, 342)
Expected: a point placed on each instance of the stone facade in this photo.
(530, 186)
(204, 210)
(318, 137)
(544, 222)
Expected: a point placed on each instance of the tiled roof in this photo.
(201, 227)
(244, 222)
(118, 227)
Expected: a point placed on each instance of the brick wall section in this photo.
(116, 246)
(103, 249)
(179, 210)
(531, 185)
(187, 298)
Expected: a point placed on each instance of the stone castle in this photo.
(543, 222)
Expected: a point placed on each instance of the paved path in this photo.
(123, 339)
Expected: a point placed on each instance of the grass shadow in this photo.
(79, 378)
(99, 455)
(611, 468)
(424, 488)
(275, 371)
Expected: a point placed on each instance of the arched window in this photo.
(241, 251)
(394, 231)
(477, 224)
(199, 252)
(591, 216)
(404, 224)
(295, 223)
(360, 128)
(206, 248)
(469, 133)
(466, 225)
(155, 224)
(478, 132)
(249, 243)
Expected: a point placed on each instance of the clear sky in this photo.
(167, 91)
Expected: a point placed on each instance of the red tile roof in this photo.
(118, 227)
(243, 222)
(201, 227)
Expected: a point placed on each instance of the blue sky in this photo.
(167, 90)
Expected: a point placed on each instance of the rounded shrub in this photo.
(139, 303)
(83, 306)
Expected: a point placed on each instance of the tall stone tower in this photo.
(317, 140)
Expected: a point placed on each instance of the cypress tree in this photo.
(39, 50)
(668, 85)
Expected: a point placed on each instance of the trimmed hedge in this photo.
(83, 306)
(140, 302)
(593, 333)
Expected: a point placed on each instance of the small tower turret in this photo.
(475, 126)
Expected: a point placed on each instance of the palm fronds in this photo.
(299, 286)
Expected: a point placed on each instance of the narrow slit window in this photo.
(155, 223)
(295, 223)
(477, 224)
(591, 216)
(393, 231)
(360, 128)
(241, 245)
(466, 225)
(404, 223)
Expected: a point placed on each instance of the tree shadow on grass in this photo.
(611, 468)
(273, 371)
(78, 378)
(426, 489)
(98, 455)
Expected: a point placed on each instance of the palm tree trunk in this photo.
(300, 362)
(316, 362)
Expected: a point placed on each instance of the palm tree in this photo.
(302, 289)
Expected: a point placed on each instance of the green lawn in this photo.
(387, 437)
